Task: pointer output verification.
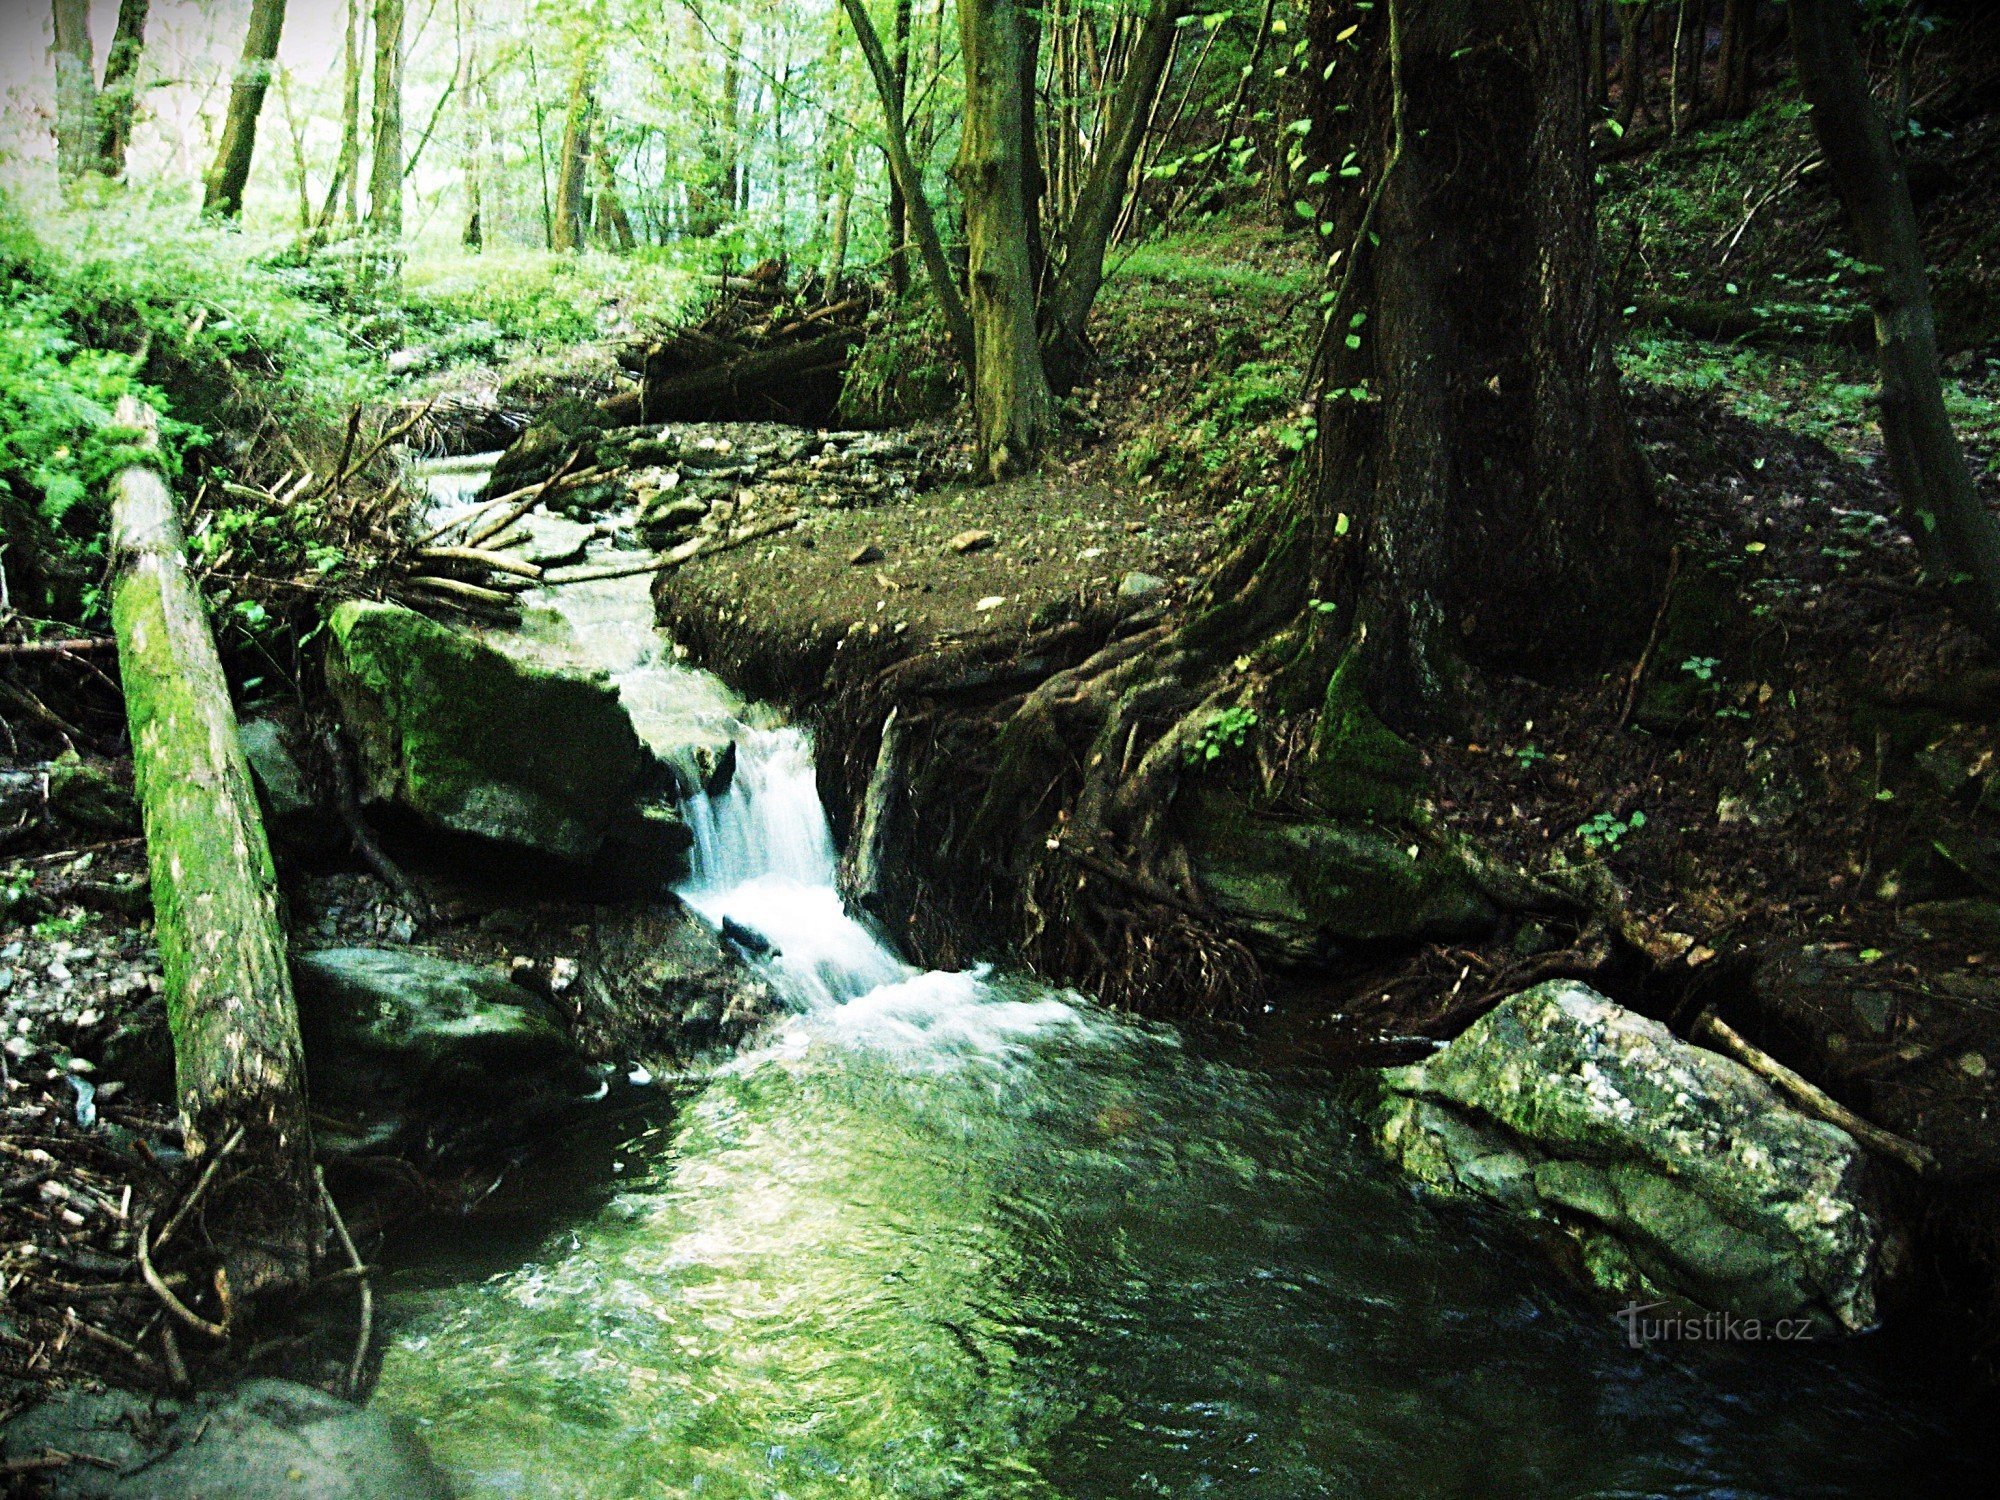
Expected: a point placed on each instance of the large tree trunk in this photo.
(238, 1062)
(1497, 511)
(915, 201)
(1955, 534)
(231, 172)
(385, 177)
(731, 164)
(1065, 344)
(1012, 406)
(614, 225)
(76, 91)
(115, 101)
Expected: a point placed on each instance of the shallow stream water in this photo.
(957, 1234)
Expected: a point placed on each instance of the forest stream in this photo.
(959, 1233)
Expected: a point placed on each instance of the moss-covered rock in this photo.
(1678, 1170)
(1303, 890)
(477, 741)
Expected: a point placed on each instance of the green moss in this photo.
(477, 741)
(1359, 767)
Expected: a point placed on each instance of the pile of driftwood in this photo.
(763, 353)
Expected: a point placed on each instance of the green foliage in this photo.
(531, 296)
(906, 370)
(1604, 830)
(1228, 729)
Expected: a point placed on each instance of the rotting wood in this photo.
(239, 1062)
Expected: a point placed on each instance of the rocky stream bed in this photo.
(764, 1205)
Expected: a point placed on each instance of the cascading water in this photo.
(962, 1235)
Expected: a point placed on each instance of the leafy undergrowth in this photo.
(1734, 229)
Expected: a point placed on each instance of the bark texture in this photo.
(231, 172)
(915, 202)
(1958, 539)
(1012, 406)
(76, 91)
(385, 178)
(1101, 198)
(237, 1054)
(116, 100)
(1499, 514)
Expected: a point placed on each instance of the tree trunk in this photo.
(385, 178)
(1955, 534)
(1599, 82)
(237, 1057)
(344, 192)
(1012, 407)
(1498, 512)
(231, 172)
(573, 162)
(732, 111)
(1065, 343)
(614, 225)
(957, 320)
(76, 92)
(473, 236)
(115, 101)
(843, 207)
(1631, 61)
(899, 219)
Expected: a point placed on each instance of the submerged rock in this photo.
(397, 1042)
(479, 741)
(256, 1440)
(1680, 1172)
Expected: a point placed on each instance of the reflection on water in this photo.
(960, 1235)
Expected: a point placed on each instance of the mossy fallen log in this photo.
(238, 1061)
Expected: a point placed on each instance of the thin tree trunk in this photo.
(116, 100)
(1955, 534)
(231, 172)
(385, 178)
(957, 321)
(76, 91)
(1631, 61)
(1011, 402)
(573, 162)
(732, 109)
(843, 205)
(1102, 195)
(238, 1061)
(473, 236)
(899, 231)
(614, 225)
(1599, 82)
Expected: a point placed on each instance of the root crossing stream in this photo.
(959, 1234)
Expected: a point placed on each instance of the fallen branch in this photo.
(58, 648)
(359, 1270)
(686, 552)
(474, 593)
(365, 843)
(1813, 1100)
(530, 498)
(166, 1295)
(480, 558)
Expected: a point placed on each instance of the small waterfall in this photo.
(764, 860)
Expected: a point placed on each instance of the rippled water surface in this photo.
(957, 1235)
